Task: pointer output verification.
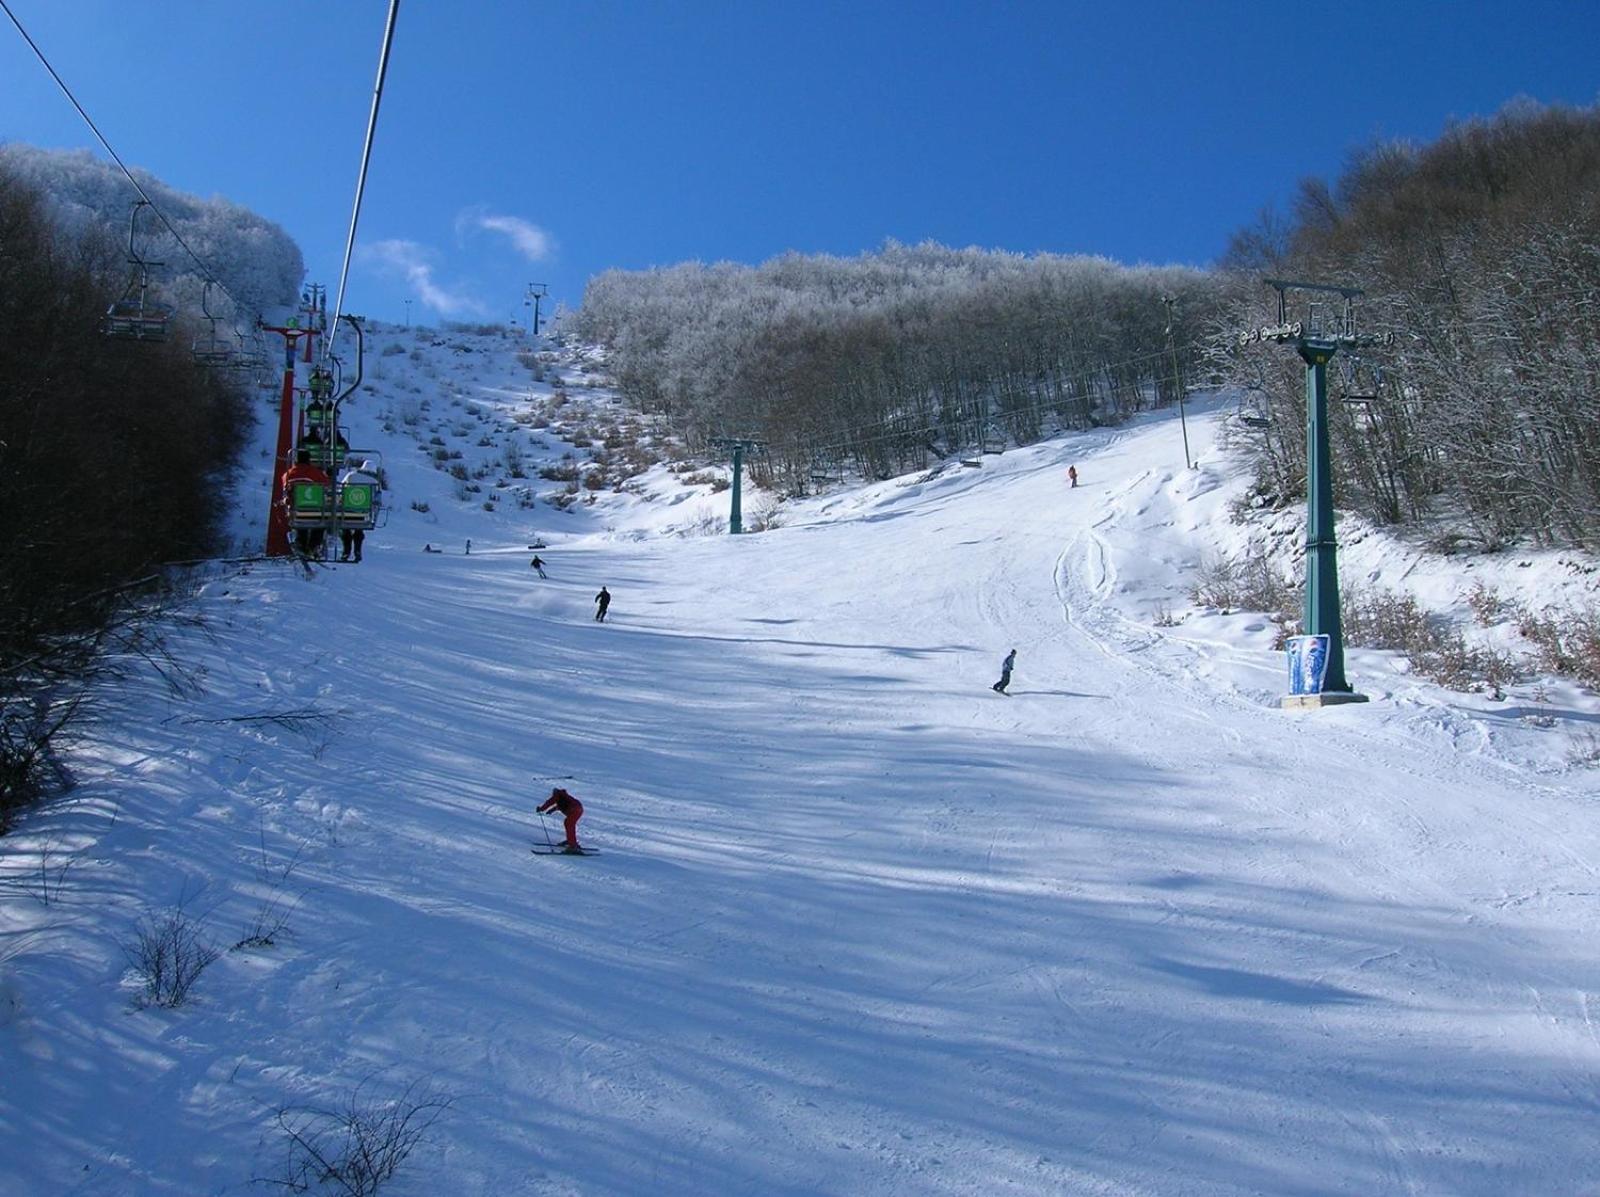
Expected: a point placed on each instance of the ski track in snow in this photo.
(858, 925)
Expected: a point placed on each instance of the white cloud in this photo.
(527, 238)
(414, 263)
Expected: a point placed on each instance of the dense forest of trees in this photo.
(883, 362)
(1480, 255)
(115, 455)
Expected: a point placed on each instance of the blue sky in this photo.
(546, 141)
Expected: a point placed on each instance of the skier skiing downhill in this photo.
(1005, 672)
(604, 601)
(571, 810)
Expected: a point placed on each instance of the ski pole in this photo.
(549, 843)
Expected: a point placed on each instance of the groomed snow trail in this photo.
(860, 925)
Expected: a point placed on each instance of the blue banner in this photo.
(1308, 663)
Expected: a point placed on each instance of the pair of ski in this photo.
(561, 850)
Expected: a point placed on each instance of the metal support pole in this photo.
(535, 293)
(1177, 381)
(1316, 345)
(738, 446)
(1321, 611)
(277, 513)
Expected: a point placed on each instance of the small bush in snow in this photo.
(1587, 750)
(709, 523)
(1385, 619)
(1438, 651)
(766, 515)
(169, 953)
(1452, 662)
(1566, 642)
(357, 1147)
(29, 732)
(1487, 606)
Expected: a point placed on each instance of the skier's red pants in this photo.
(572, 818)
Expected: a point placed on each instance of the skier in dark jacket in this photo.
(571, 810)
(538, 564)
(1005, 672)
(604, 599)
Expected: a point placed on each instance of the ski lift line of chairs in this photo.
(212, 351)
(335, 505)
(1252, 411)
(137, 317)
(1361, 386)
(323, 440)
(826, 471)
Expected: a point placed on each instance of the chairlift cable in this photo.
(115, 157)
(361, 178)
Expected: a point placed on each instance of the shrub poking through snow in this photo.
(357, 1147)
(169, 952)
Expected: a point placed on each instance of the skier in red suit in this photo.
(571, 809)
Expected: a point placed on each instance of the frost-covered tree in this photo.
(884, 359)
(257, 263)
(1480, 255)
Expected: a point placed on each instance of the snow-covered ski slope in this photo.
(859, 925)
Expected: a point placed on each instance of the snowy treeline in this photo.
(1480, 254)
(115, 456)
(254, 259)
(876, 362)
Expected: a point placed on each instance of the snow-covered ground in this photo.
(858, 924)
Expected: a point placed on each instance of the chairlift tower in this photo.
(1316, 338)
(535, 293)
(277, 514)
(1177, 379)
(738, 446)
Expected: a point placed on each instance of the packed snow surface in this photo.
(858, 924)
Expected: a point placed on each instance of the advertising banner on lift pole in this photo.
(1308, 663)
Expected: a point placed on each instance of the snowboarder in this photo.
(571, 810)
(1005, 672)
(1072, 476)
(604, 599)
(538, 564)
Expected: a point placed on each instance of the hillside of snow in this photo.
(857, 924)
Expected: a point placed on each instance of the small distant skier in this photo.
(604, 601)
(1072, 476)
(1005, 672)
(571, 810)
(469, 546)
(538, 564)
